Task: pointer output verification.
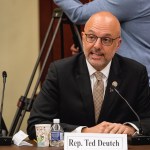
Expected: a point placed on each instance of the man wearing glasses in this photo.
(134, 16)
(70, 89)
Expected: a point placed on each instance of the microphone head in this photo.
(4, 74)
(114, 84)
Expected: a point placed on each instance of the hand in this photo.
(74, 50)
(117, 128)
(100, 128)
(112, 128)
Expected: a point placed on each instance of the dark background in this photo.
(46, 8)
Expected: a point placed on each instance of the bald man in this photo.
(134, 16)
(68, 91)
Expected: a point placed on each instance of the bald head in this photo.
(101, 39)
(104, 20)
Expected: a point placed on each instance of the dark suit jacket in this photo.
(66, 94)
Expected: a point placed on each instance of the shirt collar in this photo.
(92, 70)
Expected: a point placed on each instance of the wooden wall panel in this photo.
(46, 8)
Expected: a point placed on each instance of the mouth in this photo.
(97, 55)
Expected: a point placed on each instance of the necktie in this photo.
(98, 91)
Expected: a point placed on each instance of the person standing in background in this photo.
(134, 16)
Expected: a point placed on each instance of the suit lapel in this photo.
(84, 85)
(109, 98)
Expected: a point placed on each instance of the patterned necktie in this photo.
(98, 91)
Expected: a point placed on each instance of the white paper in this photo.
(19, 138)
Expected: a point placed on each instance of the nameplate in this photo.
(95, 141)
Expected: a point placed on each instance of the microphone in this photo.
(4, 75)
(138, 139)
(4, 140)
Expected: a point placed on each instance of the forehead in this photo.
(100, 26)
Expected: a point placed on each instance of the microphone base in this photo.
(139, 140)
(5, 141)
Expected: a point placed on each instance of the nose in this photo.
(98, 44)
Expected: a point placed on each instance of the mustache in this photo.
(97, 51)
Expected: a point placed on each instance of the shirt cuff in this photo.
(78, 129)
(134, 126)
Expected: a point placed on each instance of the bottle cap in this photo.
(56, 120)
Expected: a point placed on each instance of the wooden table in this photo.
(14, 147)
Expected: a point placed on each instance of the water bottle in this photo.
(57, 134)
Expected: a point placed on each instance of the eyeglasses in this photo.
(107, 41)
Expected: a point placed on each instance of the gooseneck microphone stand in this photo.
(4, 74)
(4, 140)
(24, 103)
